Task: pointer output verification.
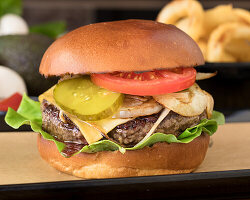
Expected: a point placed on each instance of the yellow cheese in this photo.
(92, 131)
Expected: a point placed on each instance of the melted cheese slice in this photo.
(92, 131)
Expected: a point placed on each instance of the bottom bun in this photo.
(161, 158)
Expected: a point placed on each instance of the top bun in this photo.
(127, 45)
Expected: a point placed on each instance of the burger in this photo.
(126, 103)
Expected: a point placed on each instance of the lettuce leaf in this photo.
(218, 117)
(29, 113)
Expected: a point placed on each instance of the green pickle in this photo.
(89, 102)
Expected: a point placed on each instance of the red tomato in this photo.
(13, 101)
(147, 83)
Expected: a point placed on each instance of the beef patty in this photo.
(127, 134)
(63, 130)
(132, 132)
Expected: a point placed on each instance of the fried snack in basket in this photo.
(185, 14)
(217, 16)
(223, 14)
(203, 46)
(242, 15)
(229, 43)
(208, 28)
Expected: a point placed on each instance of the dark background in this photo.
(81, 12)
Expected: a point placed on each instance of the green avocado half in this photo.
(23, 53)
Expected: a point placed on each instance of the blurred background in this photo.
(81, 12)
(28, 27)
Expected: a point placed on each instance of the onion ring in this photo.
(187, 15)
(224, 14)
(203, 46)
(243, 15)
(230, 42)
(216, 16)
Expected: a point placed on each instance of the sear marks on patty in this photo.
(65, 131)
(71, 148)
(132, 132)
(127, 134)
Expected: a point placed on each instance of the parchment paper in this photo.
(20, 161)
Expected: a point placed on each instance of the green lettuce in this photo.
(29, 113)
(51, 29)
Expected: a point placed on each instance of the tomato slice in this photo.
(13, 101)
(147, 83)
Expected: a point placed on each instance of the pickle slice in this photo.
(89, 102)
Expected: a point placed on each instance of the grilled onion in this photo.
(210, 104)
(202, 76)
(135, 106)
(190, 102)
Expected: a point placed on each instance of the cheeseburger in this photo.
(126, 103)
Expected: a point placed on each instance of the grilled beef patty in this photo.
(65, 131)
(127, 134)
(132, 132)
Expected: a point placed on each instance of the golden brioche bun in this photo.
(128, 45)
(161, 158)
